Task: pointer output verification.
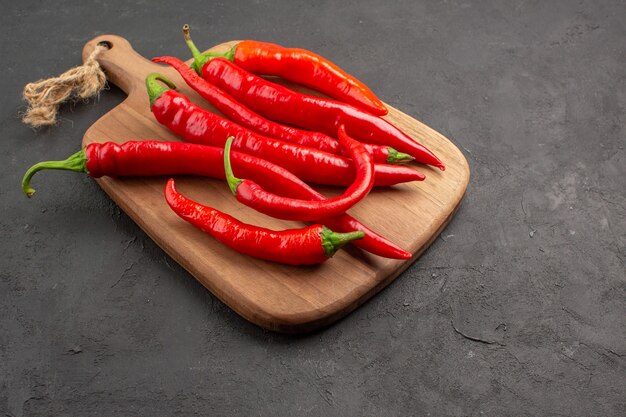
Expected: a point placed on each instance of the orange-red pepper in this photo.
(300, 66)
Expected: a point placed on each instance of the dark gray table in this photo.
(517, 309)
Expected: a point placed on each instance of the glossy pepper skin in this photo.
(154, 158)
(300, 66)
(196, 125)
(147, 158)
(253, 195)
(281, 104)
(242, 115)
(307, 246)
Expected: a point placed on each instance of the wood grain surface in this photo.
(277, 297)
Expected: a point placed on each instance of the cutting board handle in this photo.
(123, 66)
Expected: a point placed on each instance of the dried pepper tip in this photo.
(396, 157)
(199, 58)
(76, 163)
(233, 182)
(155, 89)
(333, 241)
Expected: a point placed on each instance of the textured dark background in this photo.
(517, 309)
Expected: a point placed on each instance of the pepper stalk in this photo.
(199, 58)
(76, 163)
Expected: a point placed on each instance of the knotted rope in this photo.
(45, 96)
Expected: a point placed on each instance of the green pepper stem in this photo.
(199, 58)
(155, 89)
(396, 157)
(233, 182)
(76, 163)
(333, 241)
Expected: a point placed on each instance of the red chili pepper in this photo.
(252, 195)
(154, 158)
(242, 115)
(148, 158)
(310, 245)
(197, 125)
(297, 65)
(309, 112)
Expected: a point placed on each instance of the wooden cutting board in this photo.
(277, 297)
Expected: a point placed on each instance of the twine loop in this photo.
(45, 96)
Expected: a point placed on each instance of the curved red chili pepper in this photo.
(242, 115)
(297, 65)
(307, 246)
(309, 112)
(147, 158)
(252, 195)
(194, 124)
